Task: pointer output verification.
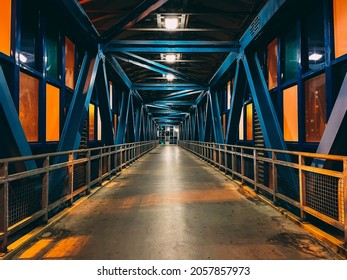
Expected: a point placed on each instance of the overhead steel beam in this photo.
(155, 49)
(137, 14)
(182, 95)
(263, 17)
(168, 86)
(172, 102)
(163, 69)
(183, 30)
(116, 66)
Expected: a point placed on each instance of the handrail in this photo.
(47, 188)
(322, 193)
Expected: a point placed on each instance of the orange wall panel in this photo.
(5, 26)
(290, 114)
(52, 113)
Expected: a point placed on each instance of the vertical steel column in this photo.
(4, 207)
(216, 117)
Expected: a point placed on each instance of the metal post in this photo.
(220, 157)
(233, 165)
(225, 159)
(4, 207)
(242, 167)
(71, 179)
(255, 170)
(109, 163)
(120, 158)
(345, 198)
(88, 167)
(302, 187)
(100, 165)
(45, 190)
(274, 177)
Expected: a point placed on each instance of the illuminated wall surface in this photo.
(52, 113)
(91, 122)
(241, 127)
(29, 106)
(315, 108)
(272, 64)
(5, 26)
(249, 112)
(290, 114)
(70, 63)
(340, 23)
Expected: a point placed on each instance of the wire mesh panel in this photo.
(58, 182)
(324, 194)
(24, 198)
(288, 182)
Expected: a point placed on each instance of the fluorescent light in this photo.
(23, 58)
(170, 77)
(171, 23)
(315, 57)
(170, 58)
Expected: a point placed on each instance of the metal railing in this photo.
(298, 184)
(59, 180)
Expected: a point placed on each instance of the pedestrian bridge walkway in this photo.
(170, 204)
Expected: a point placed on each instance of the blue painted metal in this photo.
(192, 124)
(158, 67)
(172, 102)
(123, 118)
(273, 136)
(72, 131)
(78, 14)
(334, 138)
(13, 142)
(119, 71)
(216, 117)
(223, 68)
(197, 49)
(181, 94)
(201, 96)
(168, 86)
(137, 14)
(175, 43)
(236, 103)
(104, 106)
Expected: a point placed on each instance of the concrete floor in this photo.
(171, 205)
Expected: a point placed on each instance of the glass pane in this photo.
(91, 122)
(228, 94)
(315, 37)
(115, 125)
(315, 108)
(52, 52)
(29, 106)
(241, 125)
(290, 114)
(249, 111)
(272, 57)
(289, 56)
(70, 63)
(29, 26)
(99, 126)
(111, 95)
(340, 23)
(5, 26)
(52, 113)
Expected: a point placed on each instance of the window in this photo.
(315, 108)
(115, 124)
(340, 23)
(69, 63)
(290, 114)
(241, 127)
(99, 126)
(111, 95)
(272, 57)
(224, 124)
(29, 106)
(28, 39)
(5, 27)
(52, 51)
(91, 122)
(289, 56)
(249, 118)
(229, 89)
(315, 36)
(52, 113)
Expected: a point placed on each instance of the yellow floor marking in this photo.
(36, 249)
(68, 247)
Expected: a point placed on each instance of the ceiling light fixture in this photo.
(315, 57)
(170, 58)
(171, 23)
(23, 58)
(170, 77)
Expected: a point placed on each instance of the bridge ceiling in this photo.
(136, 37)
